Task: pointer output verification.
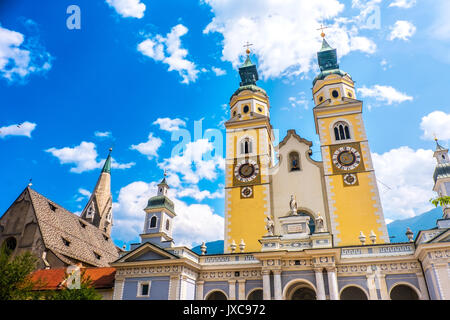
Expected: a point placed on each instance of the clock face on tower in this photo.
(246, 170)
(346, 158)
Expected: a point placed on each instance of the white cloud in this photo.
(284, 34)
(106, 134)
(128, 8)
(402, 30)
(436, 123)
(83, 194)
(440, 28)
(405, 4)
(19, 59)
(168, 50)
(83, 157)
(194, 223)
(194, 163)
(194, 192)
(406, 177)
(219, 72)
(170, 125)
(299, 101)
(385, 94)
(149, 148)
(19, 129)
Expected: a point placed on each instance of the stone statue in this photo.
(293, 205)
(319, 223)
(269, 226)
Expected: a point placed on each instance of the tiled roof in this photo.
(63, 234)
(51, 279)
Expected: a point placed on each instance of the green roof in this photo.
(159, 202)
(442, 171)
(107, 165)
(250, 87)
(328, 62)
(248, 62)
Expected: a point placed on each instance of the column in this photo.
(241, 289)
(183, 288)
(332, 283)
(118, 289)
(372, 287)
(199, 290)
(423, 287)
(381, 284)
(266, 284)
(277, 284)
(174, 293)
(319, 284)
(232, 289)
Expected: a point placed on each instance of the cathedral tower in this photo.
(441, 175)
(98, 210)
(249, 154)
(353, 198)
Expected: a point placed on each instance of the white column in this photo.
(319, 284)
(372, 288)
(118, 289)
(332, 284)
(241, 289)
(199, 290)
(423, 287)
(232, 289)
(277, 284)
(174, 293)
(380, 282)
(266, 284)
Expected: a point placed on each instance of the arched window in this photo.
(294, 162)
(216, 295)
(403, 292)
(153, 222)
(353, 293)
(256, 295)
(167, 224)
(246, 146)
(341, 131)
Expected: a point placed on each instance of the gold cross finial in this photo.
(435, 137)
(248, 45)
(322, 28)
(165, 173)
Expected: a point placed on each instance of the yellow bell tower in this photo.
(353, 198)
(249, 155)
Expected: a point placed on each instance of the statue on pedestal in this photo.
(269, 226)
(293, 206)
(319, 223)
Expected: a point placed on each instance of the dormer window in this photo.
(341, 131)
(52, 207)
(66, 242)
(82, 224)
(97, 256)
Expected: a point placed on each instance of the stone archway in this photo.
(256, 294)
(216, 295)
(403, 292)
(353, 293)
(300, 290)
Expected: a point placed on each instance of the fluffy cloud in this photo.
(83, 194)
(405, 181)
(84, 158)
(284, 34)
(194, 192)
(385, 94)
(436, 123)
(405, 4)
(128, 8)
(402, 30)
(149, 148)
(194, 223)
(219, 72)
(194, 163)
(168, 50)
(170, 125)
(106, 134)
(19, 129)
(19, 59)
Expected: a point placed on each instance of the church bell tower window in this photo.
(341, 131)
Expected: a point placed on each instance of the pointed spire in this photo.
(248, 72)
(107, 165)
(438, 146)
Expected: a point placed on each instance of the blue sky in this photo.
(138, 70)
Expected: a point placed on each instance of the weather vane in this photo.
(322, 28)
(248, 45)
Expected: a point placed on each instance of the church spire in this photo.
(248, 72)
(98, 210)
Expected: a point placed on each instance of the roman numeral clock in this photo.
(347, 160)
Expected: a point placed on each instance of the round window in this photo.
(335, 94)
(234, 114)
(320, 99)
(246, 109)
(260, 109)
(350, 94)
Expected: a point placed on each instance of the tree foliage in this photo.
(441, 201)
(85, 292)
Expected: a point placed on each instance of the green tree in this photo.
(85, 292)
(441, 201)
(15, 275)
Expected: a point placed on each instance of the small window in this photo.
(246, 146)
(90, 211)
(294, 162)
(335, 93)
(234, 113)
(246, 109)
(320, 99)
(66, 242)
(82, 224)
(144, 289)
(260, 109)
(52, 207)
(105, 237)
(97, 256)
(167, 225)
(153, 222)
(349, 94)
(341, 131)
(10, 244)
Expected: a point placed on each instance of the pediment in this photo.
(147, 252)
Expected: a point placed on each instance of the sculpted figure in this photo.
(319, 223)
(269, 226)
(293, 205)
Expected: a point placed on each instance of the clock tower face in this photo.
(346, 158)
(246, 170)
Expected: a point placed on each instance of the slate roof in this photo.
(86, 244)
(52, 279)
